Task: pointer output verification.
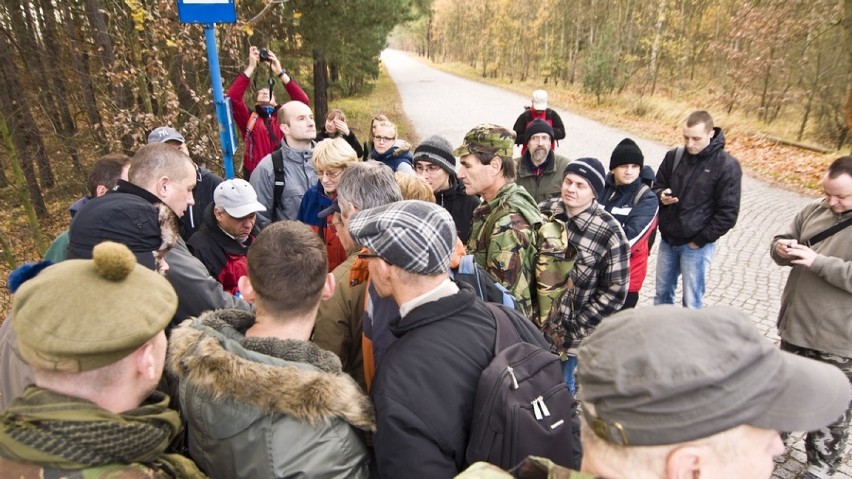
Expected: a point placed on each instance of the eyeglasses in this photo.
(331, 175)
(368, 256)
(382, 139)
(426, 168)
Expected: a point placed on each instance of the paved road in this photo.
(742, 273)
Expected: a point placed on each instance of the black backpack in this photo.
(522, 405)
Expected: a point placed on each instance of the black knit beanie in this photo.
(626, 153)
(438, 151)
(538, 126)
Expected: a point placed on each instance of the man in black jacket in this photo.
(699, 190)
(425, 387)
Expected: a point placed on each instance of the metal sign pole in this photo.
(223, 113)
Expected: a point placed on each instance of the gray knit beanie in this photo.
(438, 151)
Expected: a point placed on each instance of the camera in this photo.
(264, 55)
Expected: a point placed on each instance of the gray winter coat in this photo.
(265, 407)
(299, 175)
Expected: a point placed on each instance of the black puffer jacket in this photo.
(460, 206)
(708, 188)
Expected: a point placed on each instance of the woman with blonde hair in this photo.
(330, 158)
(368, 145)
(336, 127)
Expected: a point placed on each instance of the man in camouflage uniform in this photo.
(817, 302)
(601, 271)
(502, 235)
(92, 331)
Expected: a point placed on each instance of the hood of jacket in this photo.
(516, 198)
(213, 353)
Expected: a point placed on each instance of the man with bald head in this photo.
(296, 121)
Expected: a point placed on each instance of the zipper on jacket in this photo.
(512, 375)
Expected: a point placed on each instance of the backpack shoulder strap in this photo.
(678, 156)
(278, 185)
(507, 335)
(827, 233)
(640, 193)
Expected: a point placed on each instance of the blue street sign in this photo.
(207, 11)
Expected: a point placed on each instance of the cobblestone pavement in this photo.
(742, 273)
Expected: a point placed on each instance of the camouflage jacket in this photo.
(27, 470)
(530, 468)
(502, 239)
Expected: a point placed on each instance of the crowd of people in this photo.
(308, 320)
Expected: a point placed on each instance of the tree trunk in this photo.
(22, 26)
(320, 85)
(84, 80)
(29, 202)
(103, 43)
(655, 48)
(66, 120)
(15, 140)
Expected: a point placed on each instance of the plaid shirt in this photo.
(600, 276)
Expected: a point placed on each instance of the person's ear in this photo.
(100, 190)
(685, 462)
(328, 287)
(146, 362)
(495, 164)
(246, 290)
(163, 186)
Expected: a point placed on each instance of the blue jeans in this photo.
(674, 261)
(568, 368)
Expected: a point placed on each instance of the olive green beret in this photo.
(79, 315)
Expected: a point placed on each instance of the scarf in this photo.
(61, 432)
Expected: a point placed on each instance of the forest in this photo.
(773, 60)
(82, 78)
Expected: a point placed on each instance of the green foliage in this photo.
(601, 64)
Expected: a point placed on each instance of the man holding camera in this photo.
(259, 128)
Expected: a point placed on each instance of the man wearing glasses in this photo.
(386, 148)
(434, 162)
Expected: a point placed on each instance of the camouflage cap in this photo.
(489, 139)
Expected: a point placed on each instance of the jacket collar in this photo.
(290, 377)
(433, 311)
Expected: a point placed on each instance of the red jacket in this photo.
(258, 141)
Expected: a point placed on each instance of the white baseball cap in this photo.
(539, 100)
(237, 198)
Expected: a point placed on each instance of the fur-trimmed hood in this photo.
(213, 354)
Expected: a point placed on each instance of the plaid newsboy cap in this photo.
(488, 139)
(413, 235)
